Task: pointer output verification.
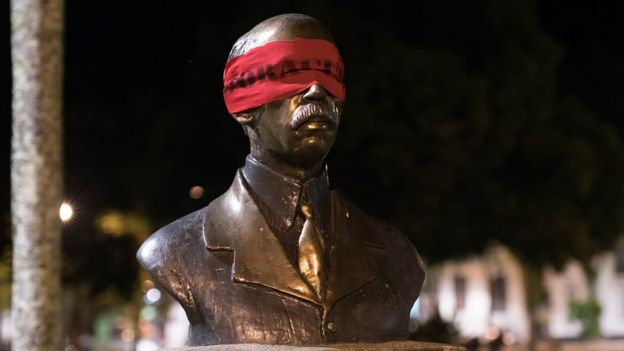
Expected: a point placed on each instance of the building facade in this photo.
(485, 296)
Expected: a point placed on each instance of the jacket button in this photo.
(332, 326)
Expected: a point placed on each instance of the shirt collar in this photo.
(281, 194)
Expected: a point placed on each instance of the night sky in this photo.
(144, 115)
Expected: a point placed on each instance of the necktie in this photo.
(311, 249)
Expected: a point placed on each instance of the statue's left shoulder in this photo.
(170, 254)
(408, 267)
(401, 256)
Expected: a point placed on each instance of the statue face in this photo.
(300, 129)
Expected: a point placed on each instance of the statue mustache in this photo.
(315, 112)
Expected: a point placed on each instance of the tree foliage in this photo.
(464, 138)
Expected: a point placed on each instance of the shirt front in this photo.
(279, 198)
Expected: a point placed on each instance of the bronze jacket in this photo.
(232, 277)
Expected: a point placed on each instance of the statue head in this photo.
(294, 133)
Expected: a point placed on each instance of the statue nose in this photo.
(315, 92)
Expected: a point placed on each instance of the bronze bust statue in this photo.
(280, 258)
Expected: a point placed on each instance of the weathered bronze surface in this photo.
(280, 258)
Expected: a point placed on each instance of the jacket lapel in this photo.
(352, 265)
(233, 222)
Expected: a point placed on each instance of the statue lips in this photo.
(313, 116)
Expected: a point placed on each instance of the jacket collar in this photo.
(282, 194)
(233, 222)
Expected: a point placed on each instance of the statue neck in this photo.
(299, 171)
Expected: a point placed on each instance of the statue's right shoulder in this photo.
(178, 243)
(172, 253)
(168, 254)
(168, 245)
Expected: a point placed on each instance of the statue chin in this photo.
(312, 152)
(307, 152)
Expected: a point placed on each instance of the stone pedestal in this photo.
(386, 346)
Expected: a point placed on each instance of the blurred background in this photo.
(490, 132)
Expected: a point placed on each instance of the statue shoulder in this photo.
(168, 254)
(373, 229)
(172, 253)
(176, 245)
(169, 243)
(402, 255)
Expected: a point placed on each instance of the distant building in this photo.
(562, 289)
(479, 295)
(609, 287)
(485, 296)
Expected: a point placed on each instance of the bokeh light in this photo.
(66, 212)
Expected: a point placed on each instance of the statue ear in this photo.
(245, 117)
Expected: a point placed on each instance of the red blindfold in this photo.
(281, 69)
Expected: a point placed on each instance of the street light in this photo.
(66, 212)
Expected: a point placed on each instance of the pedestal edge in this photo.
(385, 346)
